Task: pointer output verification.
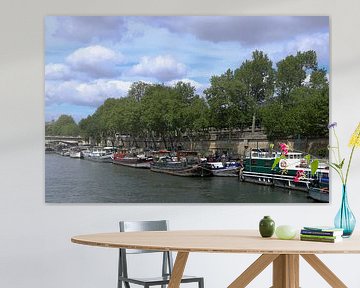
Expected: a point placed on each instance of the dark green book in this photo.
(321, 239)
(319, 236)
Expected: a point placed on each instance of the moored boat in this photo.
(100, 154)
(135, 161)
(258, 169)
(226, 169)
(319, 194)
(319, 189)
(75, 152)
(186, 163)
(65, 152)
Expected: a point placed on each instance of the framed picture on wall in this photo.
(186, 109)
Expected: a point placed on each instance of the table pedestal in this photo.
(285, 271)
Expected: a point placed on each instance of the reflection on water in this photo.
(70, 180)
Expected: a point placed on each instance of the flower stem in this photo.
(348, 166)
(337, 171)
(338, 147)
(339, 158)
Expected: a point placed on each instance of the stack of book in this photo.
(321, 234)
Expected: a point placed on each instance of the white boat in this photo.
(75, 153)
(100, 154)
(226, 169)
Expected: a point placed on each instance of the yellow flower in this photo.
(355, 138)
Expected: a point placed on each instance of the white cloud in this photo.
(95, 61)
(89, 94)
(57, 72)
(162, 67)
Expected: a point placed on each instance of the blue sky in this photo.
(89, 59)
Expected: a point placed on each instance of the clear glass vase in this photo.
(345, 219)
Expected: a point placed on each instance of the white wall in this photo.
(35, 248)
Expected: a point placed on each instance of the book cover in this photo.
(326, 240)
(320, 236)
(323, 228)
(321, 233)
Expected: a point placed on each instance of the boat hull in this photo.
(319, 194)
(75, 155)
(278, 180)
(177, 170)
(133, 164)
(102, 159)
(226, 172)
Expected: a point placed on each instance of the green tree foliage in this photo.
(303, 108)
(227, 101)
(305, 115)
(290, 101)
(89, 128)
(137, 90)
(292, 72)
(63, 126)
(257, 77)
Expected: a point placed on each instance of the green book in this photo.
(319, 236)
(326, 240)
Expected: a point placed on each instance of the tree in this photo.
(306, 114)
(89, 128)
(226, 102)
(318, 80)
(63, 126)
(197, 119)
(292, 72)
(257, 77)
(137, 90)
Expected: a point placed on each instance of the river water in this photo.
(69, 180)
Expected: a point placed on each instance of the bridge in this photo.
(71, 140)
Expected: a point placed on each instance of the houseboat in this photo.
(100, 154)
(258, 169)
(135, 161)
(223, 169)
(186, 163)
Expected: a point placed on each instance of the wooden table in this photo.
(284, 254)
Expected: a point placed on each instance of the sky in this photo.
(91, 58)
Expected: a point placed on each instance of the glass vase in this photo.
(345, 219)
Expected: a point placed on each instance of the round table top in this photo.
(220, 241)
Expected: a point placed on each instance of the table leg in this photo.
(253, 270)
(324, 271)
(286, 271)
(178, 270)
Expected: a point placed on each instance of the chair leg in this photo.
(201, 283)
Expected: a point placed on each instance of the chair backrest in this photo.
(134, 226)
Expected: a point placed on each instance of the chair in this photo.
(167, 262)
